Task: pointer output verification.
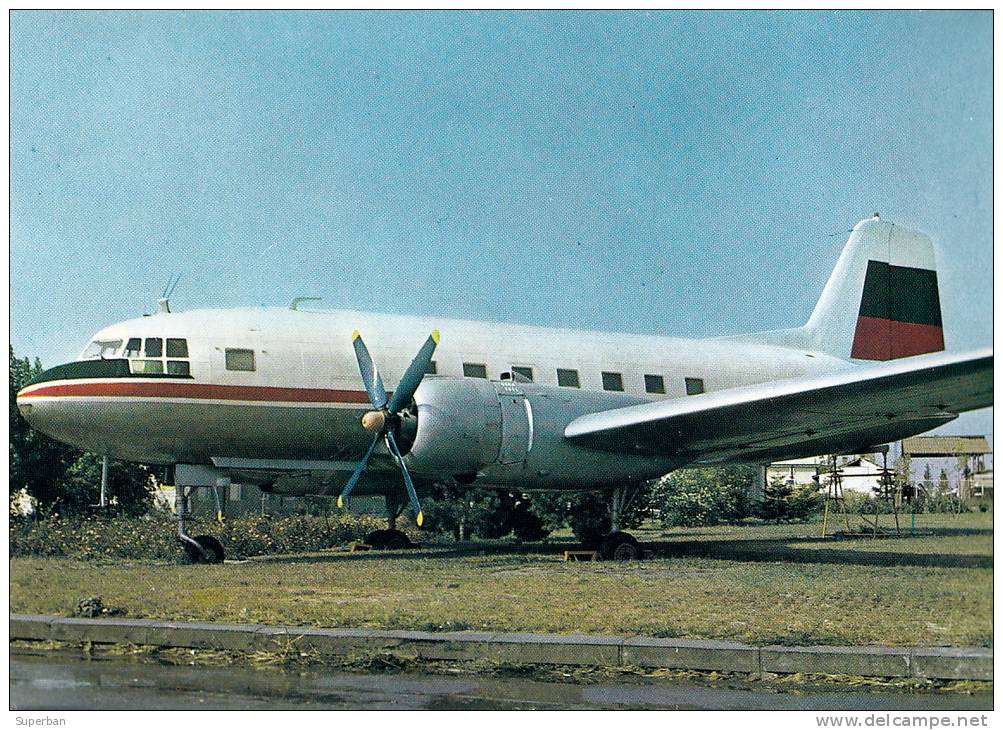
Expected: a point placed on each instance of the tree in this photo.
(589, 514)
(130, 487)
(709, 496)
(37, 463)
(60, 478)
(927, 480)
(488, 513)
(786, 501)
(943, 483)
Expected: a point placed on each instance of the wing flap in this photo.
(856, 407)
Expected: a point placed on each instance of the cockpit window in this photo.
(101, 349)
(177, 347)
(147, 367)
(150, 357)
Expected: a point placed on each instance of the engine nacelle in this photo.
(459, 427)
(512, 434)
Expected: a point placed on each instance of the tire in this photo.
(396, 540)
(620, 546)
(377, 539)
(209, 544)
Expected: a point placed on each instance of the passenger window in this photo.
(147, 367)
(474, 370)
(567, 378)
(178, 367)
(154, 347)
(133, 346)
(522, 374)
(177, 347)
(694, 386)
(654, 384)
(612, 381)
(240, 360)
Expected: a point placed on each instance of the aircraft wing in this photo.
(837, 413)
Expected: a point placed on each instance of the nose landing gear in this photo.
(201, 548)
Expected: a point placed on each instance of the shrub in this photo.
(156, 537)
(703, 497)
(786, 502)
(588, 514)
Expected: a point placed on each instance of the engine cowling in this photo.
(459, 427)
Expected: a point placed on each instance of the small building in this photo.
(860, 473)
(981, 486)
(960, 457)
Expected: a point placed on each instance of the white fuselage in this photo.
(304, 397)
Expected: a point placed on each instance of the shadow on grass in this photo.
(832, 551)
(773, 550)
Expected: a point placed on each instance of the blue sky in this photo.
(684, 173)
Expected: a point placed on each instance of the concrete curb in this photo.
(972, 663)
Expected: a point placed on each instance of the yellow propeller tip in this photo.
(355, 335)
(219, 517)
(420, 519)
(340, 502)
(435, 336)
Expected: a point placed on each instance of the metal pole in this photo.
(104, 481)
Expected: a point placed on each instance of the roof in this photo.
(940, 446)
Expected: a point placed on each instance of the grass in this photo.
(757, 584)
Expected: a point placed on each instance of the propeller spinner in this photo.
(385, 417)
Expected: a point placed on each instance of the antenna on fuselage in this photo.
(164, 304)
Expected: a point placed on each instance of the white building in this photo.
(860, 473)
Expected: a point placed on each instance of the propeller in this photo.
(384, 419)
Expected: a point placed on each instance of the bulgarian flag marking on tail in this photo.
(899, 313)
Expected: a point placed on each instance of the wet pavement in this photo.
(60, 682)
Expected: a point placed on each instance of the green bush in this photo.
(155, 537)
(703, 497)
(589, 514)
(865, 504)
(787, 502)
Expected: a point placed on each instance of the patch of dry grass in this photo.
(758, 584)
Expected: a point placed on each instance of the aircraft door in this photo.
(517, 424)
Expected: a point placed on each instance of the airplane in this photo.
(298, 402)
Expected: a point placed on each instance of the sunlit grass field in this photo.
(757, 584)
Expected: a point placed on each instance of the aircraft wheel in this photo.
(210, 545)
(378, 539)
(620, 546)
(396, 540)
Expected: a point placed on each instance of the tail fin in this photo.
(881, 301)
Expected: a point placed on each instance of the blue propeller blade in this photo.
(357, 474)
(392, 445)
(411, 379)
(370, 375)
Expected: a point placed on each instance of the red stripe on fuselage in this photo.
(885, 339)
(200, 391)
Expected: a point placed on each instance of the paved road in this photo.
(58, 682)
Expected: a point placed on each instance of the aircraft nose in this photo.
(24, 405)
(29, 405)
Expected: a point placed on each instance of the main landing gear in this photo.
(391, 538)
(200, 548)
(619, 545)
